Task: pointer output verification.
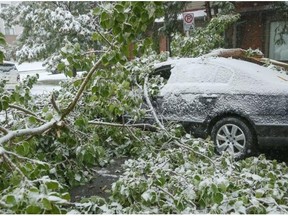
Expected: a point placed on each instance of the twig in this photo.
(54, 103)
(146, 96)
(168, 193)
(25, 158)
(16, 168)
(177, 140)
(105, 39)
(142, 126)
(4, 130)
(198, 153)
(95, 51)
(25, 111)
(131, 132)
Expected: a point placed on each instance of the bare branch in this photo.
(108, 42)
(146, 96)
(54, 103)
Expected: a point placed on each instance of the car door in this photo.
(191, 94)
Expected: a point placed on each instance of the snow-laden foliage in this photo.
(203, 40)
(49, 143)
(176, 180)
(48, 26)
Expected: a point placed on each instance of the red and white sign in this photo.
(188, 20)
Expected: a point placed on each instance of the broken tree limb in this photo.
(26, 111)
(178, 141)
(274, 62)
(29, 131)
(146, 96)
(226, 53)
(254, 56)
(82, 87)
(4, 130)
(141, 126)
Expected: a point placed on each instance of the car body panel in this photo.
(199, 90)
(10, 74)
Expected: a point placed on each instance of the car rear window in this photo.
(5, 68)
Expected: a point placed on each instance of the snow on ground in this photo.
(29, 66)
(47, 81)
(44, 84)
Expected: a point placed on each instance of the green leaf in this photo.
(218, 198)
(97, 11)
(33, 209)
(10, 199)
(66, 196)
(61, 66)
(52, 185)
(32, 120)
(46, 204)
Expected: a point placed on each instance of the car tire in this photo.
(234, 136)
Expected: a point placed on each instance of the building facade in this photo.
(9, 33)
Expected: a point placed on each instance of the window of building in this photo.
(9, 31)
(278, 45)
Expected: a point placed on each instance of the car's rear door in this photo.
(192, 93)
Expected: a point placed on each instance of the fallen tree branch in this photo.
(24, 158)
(82, 87)
(4, 130)
(14, 167)
(30, 131)
(146, 96)
(274, 62)
(256, 56)
(142, 126)
(27, 112)
(54, 103)
(177, 140)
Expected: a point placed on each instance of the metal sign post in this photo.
(188, 22)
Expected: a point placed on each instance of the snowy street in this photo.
(47, 82)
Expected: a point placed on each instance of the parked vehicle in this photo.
(241, 105)
(9, 73)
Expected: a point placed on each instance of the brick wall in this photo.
(252, 32)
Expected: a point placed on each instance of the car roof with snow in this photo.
(237, 75)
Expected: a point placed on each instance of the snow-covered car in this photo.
(10, 74)
(241, 105)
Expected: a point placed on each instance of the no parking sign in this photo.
(188, 20)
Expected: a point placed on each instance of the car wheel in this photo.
(234, 136)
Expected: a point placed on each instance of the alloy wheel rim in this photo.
(231, 138)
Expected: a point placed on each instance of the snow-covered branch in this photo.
(141, 126)
(29, 131)
(4, 130)
(26, 111)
